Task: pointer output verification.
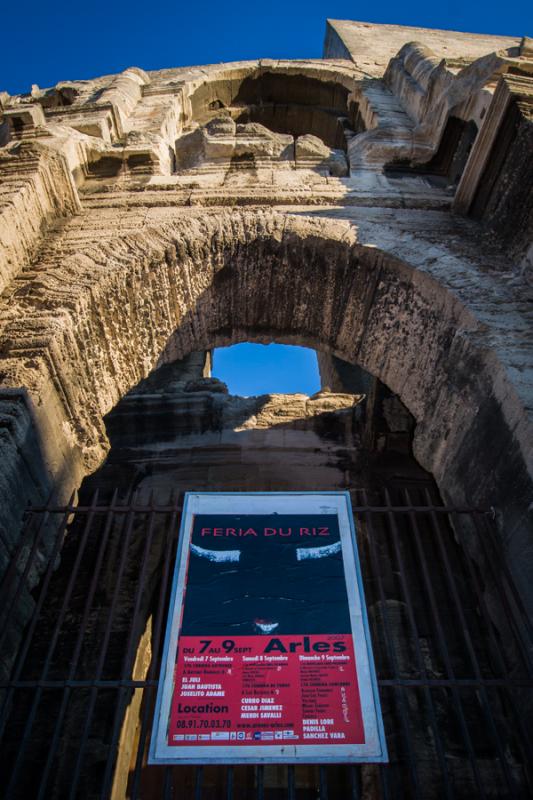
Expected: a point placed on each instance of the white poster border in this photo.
(374, 750)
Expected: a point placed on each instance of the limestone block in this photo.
(310, 151)
(371, 46)
(22, 119)
(223, 143)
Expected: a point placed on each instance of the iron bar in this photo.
(167, 785)
(420, 660)
(171, 536)
(260, 782)
(230, 775)
(383, 782)
(50, 652)
(198, 782)
(357, 509)
(355, 783)
(391, 651)
(291, 783)
(77, 650)
(129, 656)
(396, 545)
(128, 521)
(323, 780)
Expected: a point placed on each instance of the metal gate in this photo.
(83, 607)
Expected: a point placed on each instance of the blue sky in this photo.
(251, 369)
(44, 43)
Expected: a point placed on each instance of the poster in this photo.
(267, 655)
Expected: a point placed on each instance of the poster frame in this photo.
(261, 753)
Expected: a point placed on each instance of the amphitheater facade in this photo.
(375, 205)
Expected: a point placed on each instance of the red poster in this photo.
(266, 647)
(254, 689)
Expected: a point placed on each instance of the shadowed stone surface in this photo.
(376, 205)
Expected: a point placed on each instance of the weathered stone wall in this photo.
(199, 438)
(117, 303)
(122, 254)
(178, 430)
(371, 46)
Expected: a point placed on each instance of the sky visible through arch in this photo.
(43, 43)
(251, 369)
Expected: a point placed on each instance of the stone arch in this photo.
(304, 97)
(100, 312)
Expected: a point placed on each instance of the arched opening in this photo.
(149, 300)
(268, 115)
(295, 104)
(179, 429)
(151, 296)
(183, 428)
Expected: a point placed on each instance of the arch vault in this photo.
(105, 307)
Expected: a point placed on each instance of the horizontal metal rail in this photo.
(452, 643)
(162, 509)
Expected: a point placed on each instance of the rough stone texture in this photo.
(203, 439)
(371, 46)
(498, 177)
(179, 428)
(148, 215)
(122, 295)
(36, 189)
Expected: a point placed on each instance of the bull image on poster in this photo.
(267, 654)
(260, 570)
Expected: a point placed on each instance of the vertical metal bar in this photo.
(159, 616)
(291, 783)
(21, 658)
(198, 783)
(398, 693)
(77, 649)
(52, 646)
(383, 782)
(475, 664)
(463, 624)
(128, 522)
(167, 784)
(129, 657)
(355, 783)
(229, 782)
(260, 782)
(22, 578)
(323, 780)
